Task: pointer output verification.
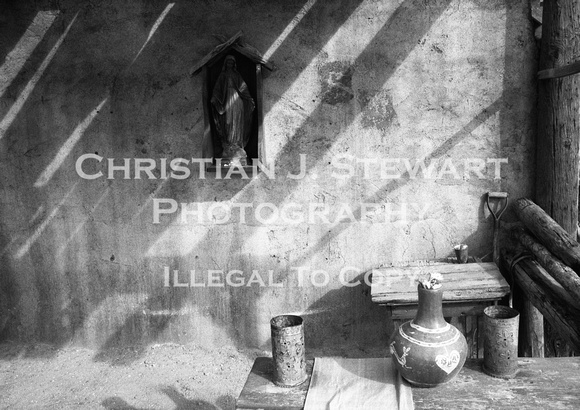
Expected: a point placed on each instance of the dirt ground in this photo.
(155, 377)
(165, 376)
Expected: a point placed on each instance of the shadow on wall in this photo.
(394, 185)
(363, 328)
(139, 108)
(244, 315)
(354, 334)
(127, 106)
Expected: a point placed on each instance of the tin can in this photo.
(500, 343)
(288, 350)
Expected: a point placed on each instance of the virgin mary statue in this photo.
(232, 107)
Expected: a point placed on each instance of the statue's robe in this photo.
(232, 108)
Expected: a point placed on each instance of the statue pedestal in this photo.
(232, 162)
(232, 168)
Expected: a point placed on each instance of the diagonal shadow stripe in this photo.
(27, 91)
(396, 184)
(26, 45)
(412, 16)
(322, 33)
(404, 19)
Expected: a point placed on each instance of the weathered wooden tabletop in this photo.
(260, 393)
(551, 383)
(461, 283)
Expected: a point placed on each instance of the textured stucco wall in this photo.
(359, 80)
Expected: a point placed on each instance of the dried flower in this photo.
(431, 281)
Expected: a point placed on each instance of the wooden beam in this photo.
(531, 320)
(249, 51)
(534, 325)
(260, 115)
(562, 317)
(559, 72)
(548, 232)
(558, 136)
(567, 285)
(207, 143)
(536, 11)
(214, 53)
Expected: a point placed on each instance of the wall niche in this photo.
(232, 95)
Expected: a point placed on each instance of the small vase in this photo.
(427, 350)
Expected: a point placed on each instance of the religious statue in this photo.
(232, 108)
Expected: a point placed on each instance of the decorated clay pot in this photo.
(427, 350)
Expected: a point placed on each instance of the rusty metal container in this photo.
(288, 352)
(500, 343)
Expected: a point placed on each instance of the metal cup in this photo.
(288, 350)
(500, 343)
(461, 252)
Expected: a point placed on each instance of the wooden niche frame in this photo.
(249, 62)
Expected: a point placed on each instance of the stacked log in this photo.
(561, 315)
(550, 279)
(567, 282)
(549, 232)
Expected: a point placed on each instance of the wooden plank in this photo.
(391, 325)
(260, 114)
(480, 337)
(207, 59)
(534, 329)
(450, 309)
(559, 72)
(536, 10)
(471, 336)
(249, 51)
(207, 143)
(461, 282)
(546, 384)
(260, 392)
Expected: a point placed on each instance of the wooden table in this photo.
(547, 383)
(260, 393)
(467, 289)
